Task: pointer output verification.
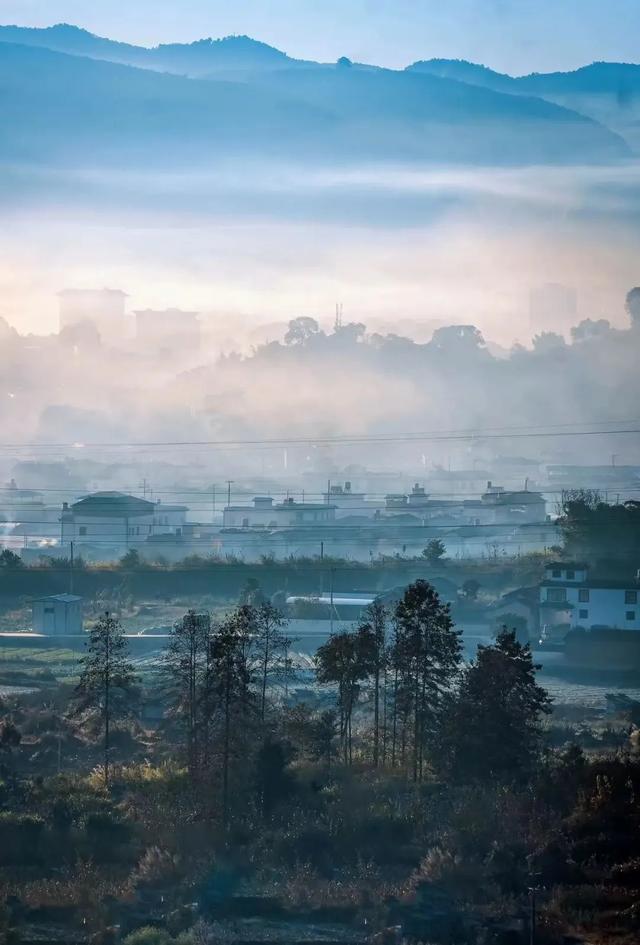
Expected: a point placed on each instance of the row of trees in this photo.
(429, 708)
(594, 529)
(404, 698)
(217, 683)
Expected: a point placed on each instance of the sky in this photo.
(515, 36)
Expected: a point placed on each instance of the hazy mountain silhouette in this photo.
(202, 58)
(70, 110)
(75, 109)
(463, 71)
(600, 78)
(609, 92)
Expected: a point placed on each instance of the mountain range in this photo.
(70, 98)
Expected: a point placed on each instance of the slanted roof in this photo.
(567, 565)
(603, 584)
(303, 506)
(59, 598)
(112, 505)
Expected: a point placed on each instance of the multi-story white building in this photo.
(265, 513)
(351, 504)
(117, 519)
(568, 596)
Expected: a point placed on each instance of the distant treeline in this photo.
(228, 578)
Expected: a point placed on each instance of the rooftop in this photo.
(567, 566)
(67, 292)
(60, 598)
(597, 583)
(112, 504)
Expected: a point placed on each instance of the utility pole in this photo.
(533, 888)
(331, 595)
(229, 484)
(532, 915)
(213, 503)
(321, 550)
(71, 568)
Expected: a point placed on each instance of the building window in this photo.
(631, 615)
(631, 597)
(245, 522)
(583, 614)
(583, 595)
(82, 530)
(571, 575)
(49, 610)
(556, 573)
(556, 595)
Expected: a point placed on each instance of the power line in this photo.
(609, 486)
(456, 435)
(315, 527)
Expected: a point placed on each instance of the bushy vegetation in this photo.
(409, 789)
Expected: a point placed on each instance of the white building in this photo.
(117, 519)
(26, 507)
(57, 615)
(499, 506)
(568, 596)
(353, 504)
(264, 513)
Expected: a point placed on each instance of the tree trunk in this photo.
(265, 667)
(384, 718)
(394, 732)
(107, 706)
(226, 748)
(376, 717)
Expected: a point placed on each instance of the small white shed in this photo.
(58, 615)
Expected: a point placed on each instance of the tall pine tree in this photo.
(493, 727)
(426, 655)
(107, 679)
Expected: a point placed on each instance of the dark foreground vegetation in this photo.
(406, 794)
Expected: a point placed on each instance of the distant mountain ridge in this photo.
(604, 78)
(91, 99)
(196, 59)
(608, 92)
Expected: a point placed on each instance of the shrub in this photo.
(148, 935)
(156, 866)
